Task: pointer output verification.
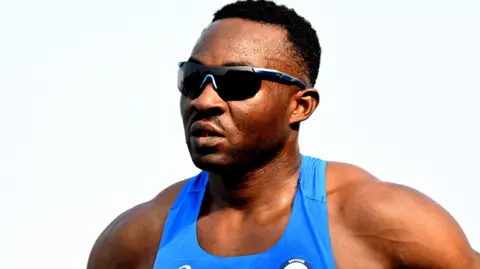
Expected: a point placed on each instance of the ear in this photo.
(305, 102)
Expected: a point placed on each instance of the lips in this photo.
(205, 129)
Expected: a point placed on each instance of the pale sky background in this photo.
(90, 123)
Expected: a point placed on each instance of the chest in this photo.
(225, 236)
(347, 255)
(281, 242)
(294, 240)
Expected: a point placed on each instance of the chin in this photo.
(211, 159)
(212, 162)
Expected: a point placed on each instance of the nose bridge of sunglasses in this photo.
(206, 79)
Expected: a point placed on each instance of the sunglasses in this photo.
(230, 82)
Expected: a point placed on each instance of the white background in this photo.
(90, 124)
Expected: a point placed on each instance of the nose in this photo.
(209, 99)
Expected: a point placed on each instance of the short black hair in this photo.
(299, 31)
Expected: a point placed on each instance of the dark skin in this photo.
(372, 224)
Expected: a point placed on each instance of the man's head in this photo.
(240, 117)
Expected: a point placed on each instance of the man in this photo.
(258, 203)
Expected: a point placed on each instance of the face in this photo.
(222, 134)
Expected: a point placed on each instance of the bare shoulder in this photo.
(132, 239)
(402, 224)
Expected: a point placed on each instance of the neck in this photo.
(274, 181)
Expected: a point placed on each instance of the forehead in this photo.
(236, 40)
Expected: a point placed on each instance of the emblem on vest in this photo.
(296, 264)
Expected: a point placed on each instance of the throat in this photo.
(271, 186)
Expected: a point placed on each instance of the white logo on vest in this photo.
(296, 264)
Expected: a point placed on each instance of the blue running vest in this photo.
(305, 243)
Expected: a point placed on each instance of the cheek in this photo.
(185, 109)
(260, 118)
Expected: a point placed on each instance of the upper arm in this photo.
(133, 237)
(409, 228)
(113, 249)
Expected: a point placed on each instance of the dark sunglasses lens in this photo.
(232, 84)
(237, 85)
(188, 81)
